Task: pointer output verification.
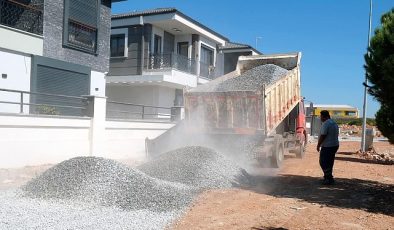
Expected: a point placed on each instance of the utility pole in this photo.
(363, 149)
(256, 42)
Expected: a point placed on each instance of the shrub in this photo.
(47, 110)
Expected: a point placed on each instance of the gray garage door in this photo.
(61, 78)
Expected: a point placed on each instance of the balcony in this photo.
(22, 15)
(171, 61)
(160, 62)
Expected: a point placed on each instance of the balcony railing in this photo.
(123, 110)
(171, 61)
(19, 15)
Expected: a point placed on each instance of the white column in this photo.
(198, 54)
(97, 110)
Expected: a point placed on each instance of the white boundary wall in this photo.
(27, 140)
(127, 139)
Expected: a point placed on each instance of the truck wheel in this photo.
(300, 151)
(278, 152)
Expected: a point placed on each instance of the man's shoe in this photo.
(328, 182)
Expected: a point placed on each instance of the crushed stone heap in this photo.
(109, 183)
(250, 80)
(196, 166)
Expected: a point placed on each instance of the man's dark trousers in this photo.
(327, 157)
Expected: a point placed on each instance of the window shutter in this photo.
(84, 11)
(81, 24)
(56, 81)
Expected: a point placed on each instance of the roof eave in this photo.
(243, 48)
(177, 12)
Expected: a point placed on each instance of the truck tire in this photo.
(300, 151)
(278, 153)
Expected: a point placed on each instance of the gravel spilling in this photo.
(108, 183)
(196, 166)
(250, 80)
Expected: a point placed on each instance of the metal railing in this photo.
(123, 110)
(22, 16)
(24, 102)
(171, 60)
(82, 36)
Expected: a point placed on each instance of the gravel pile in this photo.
(250, 80)
(98, 193)
(18, 212)
(108, 183)
(196, 166)
(211, 86)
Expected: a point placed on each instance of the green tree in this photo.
(379, 65)
(385, 122)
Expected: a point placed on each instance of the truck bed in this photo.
(255, 98)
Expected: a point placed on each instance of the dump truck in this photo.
(255, 112)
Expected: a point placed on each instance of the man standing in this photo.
(327, 146)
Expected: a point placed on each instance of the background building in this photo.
(336, 111)
(156, 53)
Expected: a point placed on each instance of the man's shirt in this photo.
(330, 129)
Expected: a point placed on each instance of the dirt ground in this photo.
(292, 197)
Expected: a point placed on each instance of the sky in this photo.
(331, 34)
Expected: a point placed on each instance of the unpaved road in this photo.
(292, 197)
(289, 198)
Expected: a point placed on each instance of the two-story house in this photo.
(54, 47)
(156, 53)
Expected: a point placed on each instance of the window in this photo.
(80, 24)
(178, 97)
(118, 45)
(337, 113)
(183, 48)
(350, 113)
(207, 68)
(207, 55)
(157, 45)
